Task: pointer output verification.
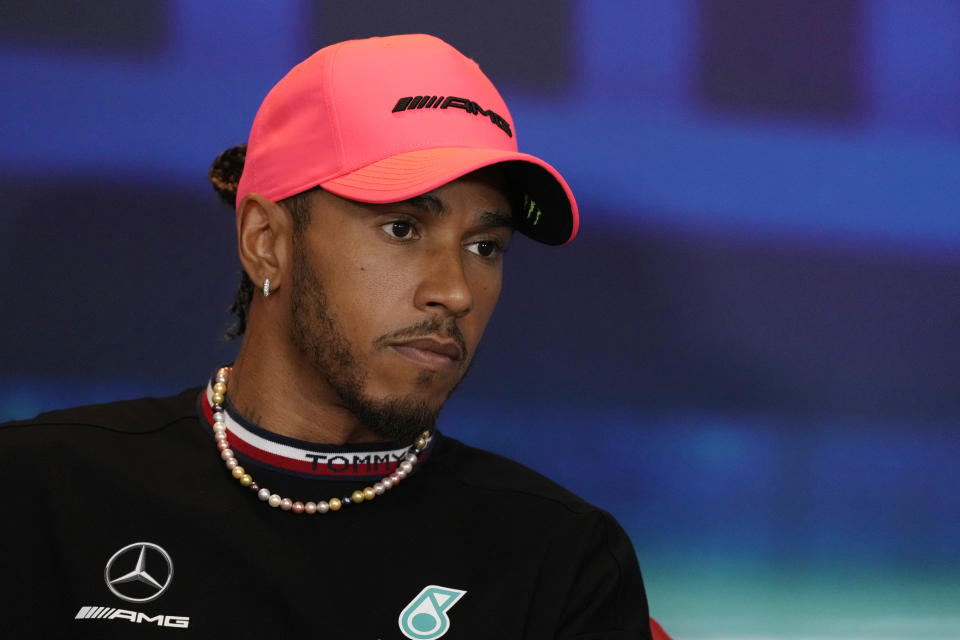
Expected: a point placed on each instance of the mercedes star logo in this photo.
(151, 574)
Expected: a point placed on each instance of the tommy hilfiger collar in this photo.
(235, 437)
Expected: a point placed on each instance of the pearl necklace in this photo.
(296, 506)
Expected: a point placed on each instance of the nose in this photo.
(444, 287)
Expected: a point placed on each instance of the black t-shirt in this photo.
(120, 520)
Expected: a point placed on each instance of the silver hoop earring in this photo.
(266, 288)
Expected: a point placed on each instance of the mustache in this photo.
(432, 326)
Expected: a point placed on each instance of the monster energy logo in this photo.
(533, 211)
(425, 618)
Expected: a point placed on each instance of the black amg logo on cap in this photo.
(434, 102)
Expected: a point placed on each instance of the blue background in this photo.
(749, 355)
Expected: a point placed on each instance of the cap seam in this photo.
(334, 113)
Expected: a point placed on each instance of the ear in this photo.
(264, 239)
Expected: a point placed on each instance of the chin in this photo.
(425, 399)
(425, 384)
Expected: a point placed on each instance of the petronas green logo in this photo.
(426, 617)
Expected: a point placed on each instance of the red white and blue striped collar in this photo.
(352, 462)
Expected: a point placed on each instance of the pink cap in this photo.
(387, 119)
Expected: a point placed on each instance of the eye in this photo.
(399, 229)
(485, 248)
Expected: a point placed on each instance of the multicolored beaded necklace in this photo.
(296, 506)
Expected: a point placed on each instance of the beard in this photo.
(316, 334)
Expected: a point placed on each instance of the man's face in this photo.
(389, 301)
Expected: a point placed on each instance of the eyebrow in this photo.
(434, 205)
(489, 219)
(427, 202)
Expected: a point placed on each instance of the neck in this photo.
(274, 388)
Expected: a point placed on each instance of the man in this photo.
(306, 488)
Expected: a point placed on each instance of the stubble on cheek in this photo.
(315, 332)
(317, 335)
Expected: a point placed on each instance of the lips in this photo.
(430, 352)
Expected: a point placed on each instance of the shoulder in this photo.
(581, 551)
(143, 415)
(512, 502)
(482, 471)
(99, 443)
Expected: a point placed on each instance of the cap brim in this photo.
(548, 212)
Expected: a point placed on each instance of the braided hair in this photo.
(225, 175)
